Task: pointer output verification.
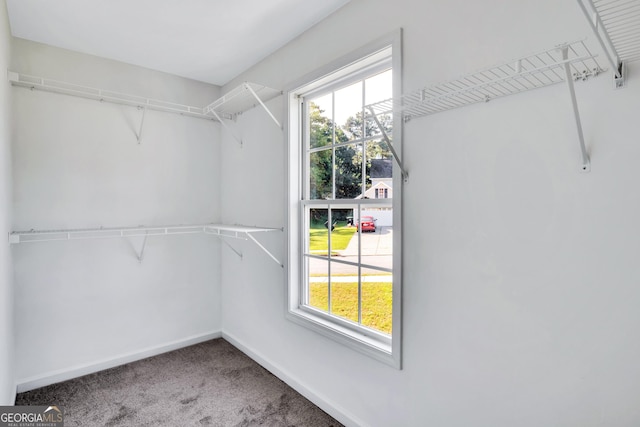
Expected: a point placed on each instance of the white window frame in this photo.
(379, 346)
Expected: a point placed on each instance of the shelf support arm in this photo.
(226, 127)
(265, 250)
(255, 95)
(232, 248)
(139, 136)
(405, 175)
(586, 164)
(140, 255)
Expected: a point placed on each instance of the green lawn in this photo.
(376, 302)
(340, 238)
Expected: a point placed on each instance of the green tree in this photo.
(348, 158)
(374, 149)
(321, 135)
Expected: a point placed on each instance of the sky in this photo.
(349, 99)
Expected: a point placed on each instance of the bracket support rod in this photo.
(232, 248)
(265, 250)
(586, 163)
(405, 174)
(222, 122)
(144, 113)
(139, 255)
(255, 95)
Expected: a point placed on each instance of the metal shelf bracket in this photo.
(227, 127)
(239, 100)
(265, 250)
(244, 233)
(255, 95)
(232, 248)
(140, 253)
(139, 135)
(586, 164)
(387, 140)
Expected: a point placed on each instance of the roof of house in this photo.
(381, 168)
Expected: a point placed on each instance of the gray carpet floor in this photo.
(212, 383)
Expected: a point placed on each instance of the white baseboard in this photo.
(330, 407)
(48, 378)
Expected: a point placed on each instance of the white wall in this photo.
(520, 272)
(83, 305)
(7, 384)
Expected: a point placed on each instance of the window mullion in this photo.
(305, 132)
(333, 196)
(364, 189)
(304, 280)
(329, 222)
(304, 135)
(333, 146)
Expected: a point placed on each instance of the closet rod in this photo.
(102, 95)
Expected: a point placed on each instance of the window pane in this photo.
(348, 113)
(376, 301)
(342, 234)
(379, 172)
(344, 291)
(376, 238)
(349, 171)
(318, 274)
(318, 242)
(320, 121)
(320, 177)
(373, 130)
(379, 87)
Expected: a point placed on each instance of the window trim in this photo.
(370, 344)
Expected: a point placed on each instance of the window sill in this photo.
(355, 340)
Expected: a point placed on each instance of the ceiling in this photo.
(208, 40)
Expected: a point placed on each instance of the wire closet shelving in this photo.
(228, 107)
(616, 25)
(240, 99)
(103, 95)
(566, 63)
(530, 72)
(219, 230)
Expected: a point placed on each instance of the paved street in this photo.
(377, 250)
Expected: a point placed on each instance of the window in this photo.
(344, 234)
(382, 193)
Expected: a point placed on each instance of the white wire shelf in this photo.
(530, 72)
(240, 99)
(219, 230)
(102, 95)
(101, 233)
(621, 19)
(616, 25)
